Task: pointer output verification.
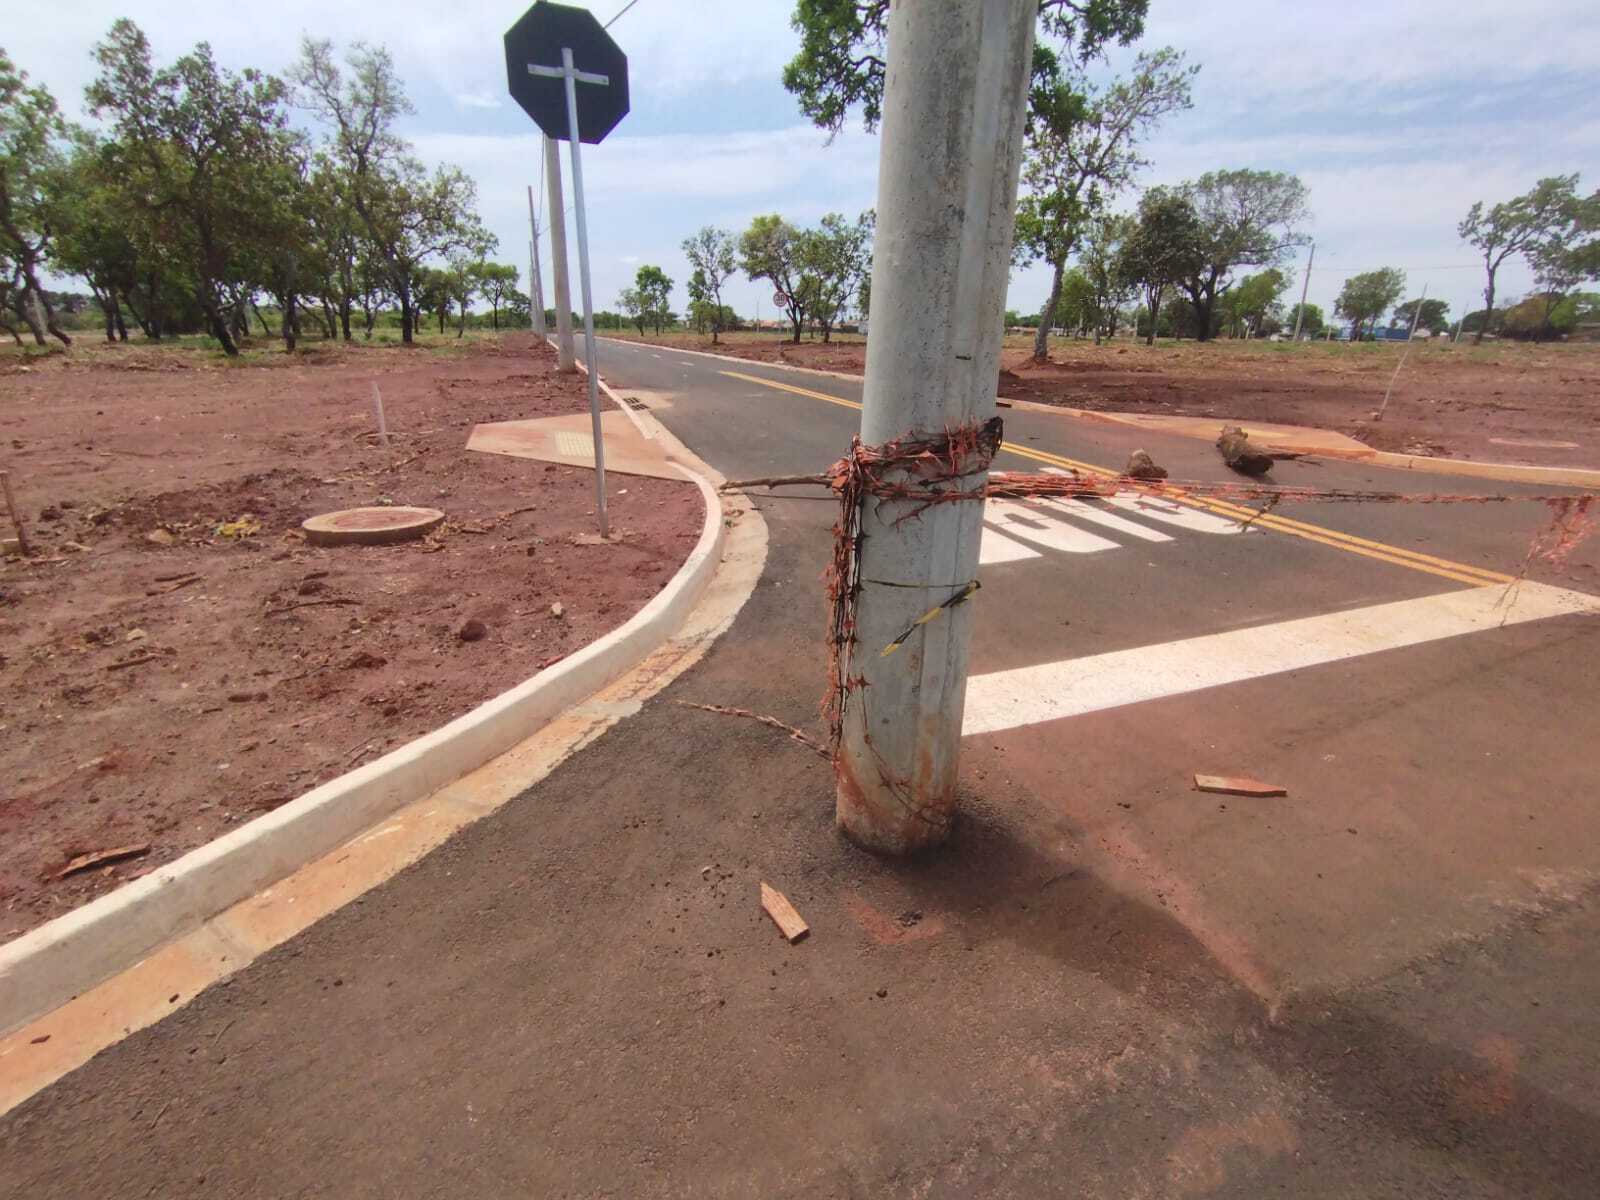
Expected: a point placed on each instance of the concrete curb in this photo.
(1578, 477)
(49, 965)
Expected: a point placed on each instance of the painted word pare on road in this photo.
(1016, 530)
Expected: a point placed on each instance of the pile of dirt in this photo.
(176, 659)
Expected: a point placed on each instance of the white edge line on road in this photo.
(1004, 700)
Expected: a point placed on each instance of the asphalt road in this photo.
(1108, 984)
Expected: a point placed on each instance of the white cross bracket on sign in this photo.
(572, 76)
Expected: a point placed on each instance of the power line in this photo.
(618, 17)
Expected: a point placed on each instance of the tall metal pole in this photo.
(570, 78)
(953, 107)
(1300, 312)
(1384, 407)
(535, 283)
(565, 359)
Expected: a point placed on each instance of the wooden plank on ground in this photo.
(1237, 785)
(790, 923)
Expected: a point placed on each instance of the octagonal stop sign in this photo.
(537, 39)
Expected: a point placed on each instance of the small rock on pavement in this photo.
(557, 611)
(1142, 466)
(473, 630)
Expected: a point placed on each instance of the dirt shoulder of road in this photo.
(162, 681)
(1500, 402)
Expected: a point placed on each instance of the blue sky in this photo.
(1398, 116)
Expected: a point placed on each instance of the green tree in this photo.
(771, 249)
(1433, 315)
(1546, 214)
(342, 252)
(1252, 302)
(1243, 218)
(411, 218)
(200, 152)
(655, 288)
(1075, 305)
(497, 283)
(635, 306)
(431, 292)
(1082, 149)
(464, 277)
(713, 253)
(1157, 248)
(835, 260)
(1101, 266)
(1366, 297)
(32, 134)
(840, 64)
(91, 234)
(1311, 322)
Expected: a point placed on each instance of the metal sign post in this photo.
(573, 77)
(545, 35)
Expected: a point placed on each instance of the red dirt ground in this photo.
(138, 707)
(1483, 403)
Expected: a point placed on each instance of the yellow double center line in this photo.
(1382, 551)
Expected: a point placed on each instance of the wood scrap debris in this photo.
(132, 662)
(789, 922)
(798, 735)
(176, 583)
(1239, 454)
(1237, 785)
(100, 858)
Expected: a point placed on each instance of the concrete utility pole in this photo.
(535, 282)
(566, 360)
(954, 102)
(1300, 313)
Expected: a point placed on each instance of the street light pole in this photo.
(954, 103)
(565, 357)
(1300, 312)
(535, 283)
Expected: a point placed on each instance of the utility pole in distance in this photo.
(954, 103)
(566, 359)
(1300, 313)
(535, 282)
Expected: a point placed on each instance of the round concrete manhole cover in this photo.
(370, 526)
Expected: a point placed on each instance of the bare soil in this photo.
(1501, 402)
(162, 681)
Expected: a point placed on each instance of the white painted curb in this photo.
(46, 967)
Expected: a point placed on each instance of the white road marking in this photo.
(1050, 691)
(1084, 510)
(1176, 514)
(996, 547)
(1017, 520)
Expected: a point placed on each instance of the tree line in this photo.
(819, 276)
(196, 200)
(1201, 258)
